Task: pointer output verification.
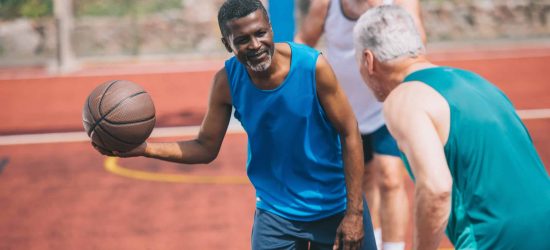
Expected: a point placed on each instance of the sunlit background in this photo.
(57, 192)
(63, 32)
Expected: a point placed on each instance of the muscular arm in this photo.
(205, 147)
(412, 120)
(313, 23)
(341, 116)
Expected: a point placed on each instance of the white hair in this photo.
(389, 32)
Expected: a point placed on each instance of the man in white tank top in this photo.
(384, 181)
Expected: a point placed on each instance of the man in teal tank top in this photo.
(477, 173)
(305, 154)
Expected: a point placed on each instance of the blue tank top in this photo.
(294, 153)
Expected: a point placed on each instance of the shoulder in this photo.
(302, 49)
(231, 65)
(412, 96)
(221, 75)
(284, 49)
(402, 102)
(220, 86)
(325, 78)
(412, 99)
(322, 63)
(322, 66)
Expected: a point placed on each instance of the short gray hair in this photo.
(389, 32)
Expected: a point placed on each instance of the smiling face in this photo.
(250, 38)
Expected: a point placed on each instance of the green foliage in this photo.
(36, 8)
(122, 7)
(10, 9)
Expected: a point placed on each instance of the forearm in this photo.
(188, 152)
(353, 170)
(313, 23)
(310, 40)
(431, 215)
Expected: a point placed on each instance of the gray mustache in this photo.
(252, 54)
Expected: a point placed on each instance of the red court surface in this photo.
(65, 195)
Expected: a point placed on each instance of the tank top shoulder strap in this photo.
(303, 56)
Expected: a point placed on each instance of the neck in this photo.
(404, 67)
(397, 70)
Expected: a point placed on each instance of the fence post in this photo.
(64, 22)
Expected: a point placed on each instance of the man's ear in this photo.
(226, 44)
(368, 60)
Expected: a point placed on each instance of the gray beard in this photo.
(261, 66)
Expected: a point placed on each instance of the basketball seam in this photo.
(99, 106)
(120, 103)
(129, 122)
(116, 138)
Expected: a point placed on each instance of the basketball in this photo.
(118, 115)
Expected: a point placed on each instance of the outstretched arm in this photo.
(313, 23)
(339, 112)
(414, 115)
(205, 147)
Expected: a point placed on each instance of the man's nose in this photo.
(254, 43)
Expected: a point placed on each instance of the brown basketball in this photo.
(118, 115)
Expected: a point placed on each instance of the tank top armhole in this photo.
(314, 86)
(232, 70)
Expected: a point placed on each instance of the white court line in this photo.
(234, 128)
(23, 139)
(531, 114)
(480, 55)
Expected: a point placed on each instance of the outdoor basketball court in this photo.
(56, 192)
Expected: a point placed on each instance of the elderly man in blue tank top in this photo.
(304, 148)
(477, 173)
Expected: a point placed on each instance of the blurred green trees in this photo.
(122, 7)
(10, 9)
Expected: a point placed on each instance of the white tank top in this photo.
(338, 32)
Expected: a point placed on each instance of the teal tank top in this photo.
(501, 190)
(294, 153)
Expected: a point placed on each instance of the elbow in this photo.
(439, 191)
(442, 196)
(207, 159)
(207, 152)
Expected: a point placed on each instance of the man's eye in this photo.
(241, 41)
(261, 33)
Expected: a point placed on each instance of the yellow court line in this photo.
(112, 166)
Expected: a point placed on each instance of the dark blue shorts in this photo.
(274, 232)
(380, 142)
